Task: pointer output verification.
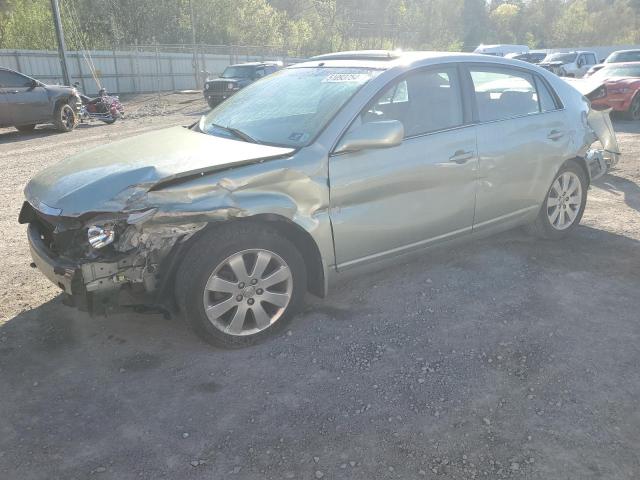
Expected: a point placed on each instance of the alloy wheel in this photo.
(564, 201)
(68, 117)
(248, 292)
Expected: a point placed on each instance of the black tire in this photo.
(213, 103)
(26, 128)
(634, 109)
(110, 122)
(211, 250)
(542, 226)
(64, 118)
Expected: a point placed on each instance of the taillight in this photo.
(599, 92)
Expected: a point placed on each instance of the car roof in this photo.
(626, 51)
(385, 60)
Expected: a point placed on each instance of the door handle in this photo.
(555, 135)
(461, 156)
(12, 91)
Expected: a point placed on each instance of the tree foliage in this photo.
(302, 27)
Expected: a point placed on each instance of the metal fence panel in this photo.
(153, 68)
(137, 69)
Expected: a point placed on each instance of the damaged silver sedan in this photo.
(326, 167)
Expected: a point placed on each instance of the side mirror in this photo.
(383, 134)
(33, 84)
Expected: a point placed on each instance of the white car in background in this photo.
(569, 64)
(619, 56)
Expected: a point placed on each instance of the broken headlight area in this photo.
(104, 253)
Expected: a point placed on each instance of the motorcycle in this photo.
(106, 108)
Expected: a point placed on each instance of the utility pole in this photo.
(62, 49)
(196, 68)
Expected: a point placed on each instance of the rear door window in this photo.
(503, 93)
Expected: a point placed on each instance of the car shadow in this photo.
(13, 135)
(621, 186)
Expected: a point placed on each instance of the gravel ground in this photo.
(504, 358)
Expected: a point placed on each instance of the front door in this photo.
(389, 201)
(26, 103)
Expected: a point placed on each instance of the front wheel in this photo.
(564, 204)
(65, 118)
(240, 283)
(212, 102)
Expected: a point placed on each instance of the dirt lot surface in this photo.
(506, 358)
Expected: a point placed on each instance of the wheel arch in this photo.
(583, 164)
(302, 239)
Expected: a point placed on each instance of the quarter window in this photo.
(425, 101)
(547, 100)
(503, 93)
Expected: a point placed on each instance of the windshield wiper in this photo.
(238, 133)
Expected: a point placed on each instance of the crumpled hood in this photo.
(104, 179)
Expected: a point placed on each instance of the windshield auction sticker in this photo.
(346, 77)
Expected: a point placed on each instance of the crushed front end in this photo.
(106, 262)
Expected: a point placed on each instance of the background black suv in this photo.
(236, 77)
(25, 102)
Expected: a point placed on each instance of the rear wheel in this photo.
(240, 283)
(64, 118)
(26, 128)
(634, 109)
(564, 204)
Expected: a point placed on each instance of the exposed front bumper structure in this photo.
(62, 273)
(139, 277)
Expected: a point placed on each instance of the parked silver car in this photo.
(325, 167)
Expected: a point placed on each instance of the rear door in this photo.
(522, 140)
(26, 104)
(391, 200)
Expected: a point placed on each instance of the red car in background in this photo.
(619, 90)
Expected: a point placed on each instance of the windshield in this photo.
(618, 71)
(288, 108)
(619, 57)
(561, 57)
(238, 72)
